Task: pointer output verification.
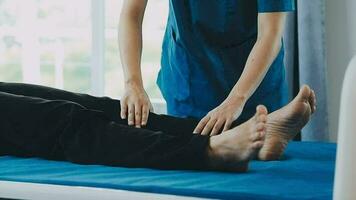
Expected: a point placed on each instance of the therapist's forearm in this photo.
(259, 61)
(130, 43)
(264, 52)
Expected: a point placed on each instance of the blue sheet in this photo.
(305, 173)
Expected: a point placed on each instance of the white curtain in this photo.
(306, 61)
(312, 63)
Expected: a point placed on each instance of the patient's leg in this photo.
(285, 123)
(63, 130)
(109, 107)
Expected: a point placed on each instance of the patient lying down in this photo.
(44, 122)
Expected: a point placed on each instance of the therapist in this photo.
(220, 59)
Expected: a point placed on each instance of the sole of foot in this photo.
(284, 124)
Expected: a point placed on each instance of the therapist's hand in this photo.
(221, 118)
(135, 106)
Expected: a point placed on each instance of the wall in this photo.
(341, 46)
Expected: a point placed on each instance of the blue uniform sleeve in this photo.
(275, 5)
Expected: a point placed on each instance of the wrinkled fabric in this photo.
(37, 121)
(205, 48)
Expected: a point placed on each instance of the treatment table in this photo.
(305, 172)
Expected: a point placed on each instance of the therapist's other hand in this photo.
(221, 118)
(135, 106)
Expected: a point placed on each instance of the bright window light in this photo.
(53, 42)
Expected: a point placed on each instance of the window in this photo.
(46, 42)
(73, 44)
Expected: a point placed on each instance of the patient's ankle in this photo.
(218, 161)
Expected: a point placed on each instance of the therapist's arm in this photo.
(135, 104)
(264, 52)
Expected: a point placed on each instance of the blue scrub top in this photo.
(205, 48)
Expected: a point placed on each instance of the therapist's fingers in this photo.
(131, 114)
(138, 111)
(217, 127)
(209, 126)
(145, 113)
(123, 112)
(201, 125)
(227, 125)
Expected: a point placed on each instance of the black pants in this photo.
(37, 121)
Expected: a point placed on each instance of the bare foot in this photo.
(284, 124)
(233, 151)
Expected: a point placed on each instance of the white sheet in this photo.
(19, 190)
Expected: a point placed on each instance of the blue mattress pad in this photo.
(305, 172)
